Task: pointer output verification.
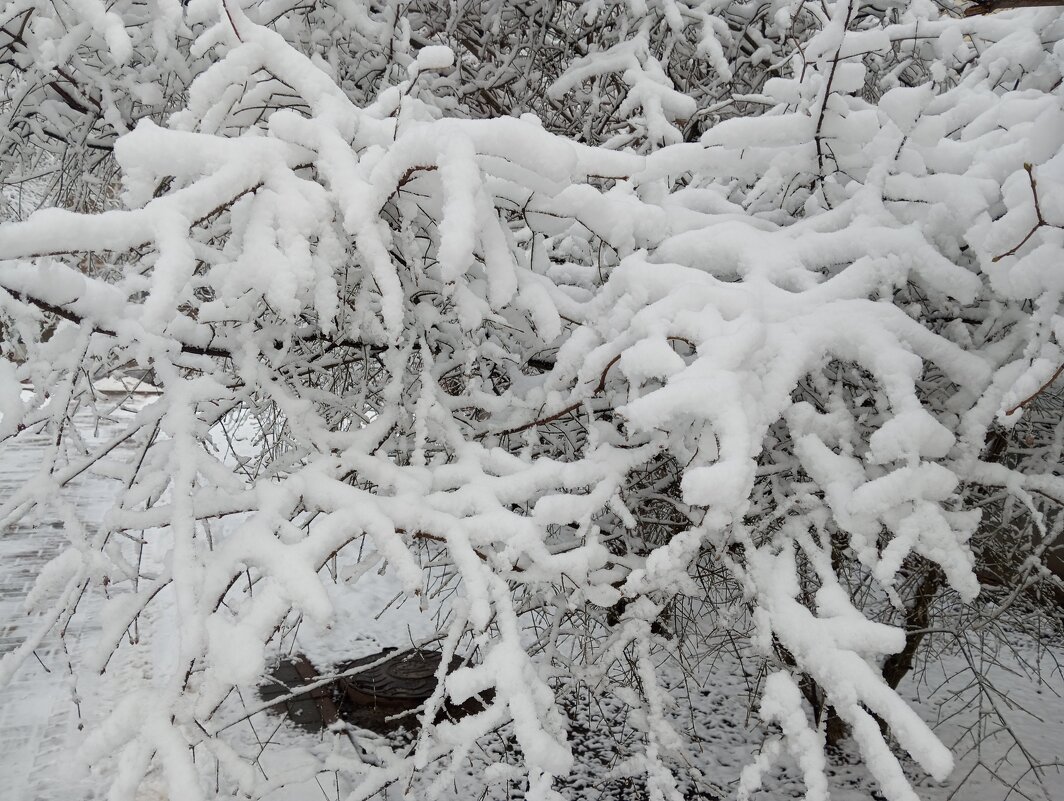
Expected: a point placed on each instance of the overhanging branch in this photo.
(212, 351)
(77, 319)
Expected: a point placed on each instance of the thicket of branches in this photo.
(619, 332)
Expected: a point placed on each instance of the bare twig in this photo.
(567, 410)
(229, 14)
(1037, 392)
(1040, 220)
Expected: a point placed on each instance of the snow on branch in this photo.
(565, 321)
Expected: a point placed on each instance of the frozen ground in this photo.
(997, 734)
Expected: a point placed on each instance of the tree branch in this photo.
(77, 319)
(1036, 393)
(1039, 219)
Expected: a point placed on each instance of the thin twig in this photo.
(1040, 220)
(568, 409)
(1037, 392)
(229, 14)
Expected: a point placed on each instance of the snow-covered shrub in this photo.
(608, 329)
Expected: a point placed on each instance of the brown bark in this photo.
(916, 622)
(1001, 5)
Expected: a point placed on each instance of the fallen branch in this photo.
(1003, 5)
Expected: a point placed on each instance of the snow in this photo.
(435, 57)
(696, 345)
(38, 732)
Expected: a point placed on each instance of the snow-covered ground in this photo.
(43, 709)
(39, 719)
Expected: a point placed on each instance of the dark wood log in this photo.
(385, 696)
(1003, 5)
